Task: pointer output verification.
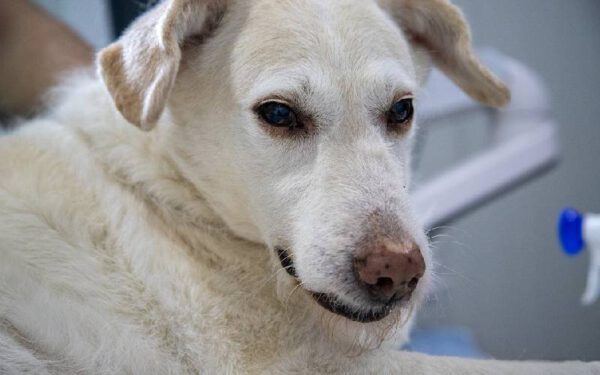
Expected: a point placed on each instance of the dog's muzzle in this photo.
(332, 303)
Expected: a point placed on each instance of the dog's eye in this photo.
(401, 112)
(278, 114)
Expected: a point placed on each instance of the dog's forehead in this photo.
(352, 39)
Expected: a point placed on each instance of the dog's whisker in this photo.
(452, 272)
(441, 235)
(265, 283)
(297, 287)
(270, 278)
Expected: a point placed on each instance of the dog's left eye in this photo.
(401, 112)
(278, 114)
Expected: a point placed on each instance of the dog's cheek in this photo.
(274, 199)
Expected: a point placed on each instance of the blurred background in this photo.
(503, 273)
(504, 285)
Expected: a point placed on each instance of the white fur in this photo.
(152, 253)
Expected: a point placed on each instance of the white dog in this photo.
(281, 138)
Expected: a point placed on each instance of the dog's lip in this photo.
(286, 262)
(330, 302)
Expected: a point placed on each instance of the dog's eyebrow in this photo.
(384, 80)
(280, 85)
(389, 80)
(392, 74)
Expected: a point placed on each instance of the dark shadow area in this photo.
(125, 11)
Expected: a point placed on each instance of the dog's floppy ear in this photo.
(140, 68)
(440, 27)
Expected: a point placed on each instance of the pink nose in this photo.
(390, 270)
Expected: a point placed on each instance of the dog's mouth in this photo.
(330, 302)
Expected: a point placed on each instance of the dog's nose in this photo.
(388, 269)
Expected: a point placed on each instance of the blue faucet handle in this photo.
(570, 231)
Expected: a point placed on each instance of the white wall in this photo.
(506, 277)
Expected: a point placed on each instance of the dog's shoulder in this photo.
(62, 269)
(42, 167)
(50, 177)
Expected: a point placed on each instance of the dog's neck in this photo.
(175, 205)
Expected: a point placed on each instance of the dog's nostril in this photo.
(385, 284)
(389, 270)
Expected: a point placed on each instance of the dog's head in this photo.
(295, 119)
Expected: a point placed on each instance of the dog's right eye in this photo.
(278, 114)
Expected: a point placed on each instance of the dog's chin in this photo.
(333, 304)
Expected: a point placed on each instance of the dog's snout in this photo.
(388, 269)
